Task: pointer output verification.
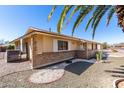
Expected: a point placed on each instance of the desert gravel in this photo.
(8, 68)
(81, 74)
(49, 74)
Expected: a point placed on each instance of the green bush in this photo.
(11, 47)
(99, 55)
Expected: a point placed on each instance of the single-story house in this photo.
(44, 47)
(3, 48)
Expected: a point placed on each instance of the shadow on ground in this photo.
(18, 61)
(78, 67)
(122, 66)
(112, 71)
(117, 72)
(120, 76)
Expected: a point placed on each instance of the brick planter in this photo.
(13, 55)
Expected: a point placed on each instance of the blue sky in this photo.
(15, 20)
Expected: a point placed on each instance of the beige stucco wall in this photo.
(89, 46)
(47, 44)
(29, 48)
(17, 45)
(39, 44)
(81, 46)
(73, 45)
(94, 46)
(99, 46)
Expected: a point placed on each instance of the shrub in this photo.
(99, 55)
(11, 47)
(105, 45)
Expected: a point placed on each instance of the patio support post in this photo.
(33, 49)
(21, 44)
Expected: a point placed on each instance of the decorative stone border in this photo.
(49, 74)
(46, 76)
(115, 83)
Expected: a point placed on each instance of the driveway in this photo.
(9, 68)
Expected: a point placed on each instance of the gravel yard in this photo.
(80, 74)
(8, 68)
(2, 55)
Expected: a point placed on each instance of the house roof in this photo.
(33, 30)
(120, 45)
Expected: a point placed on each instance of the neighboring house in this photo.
(43, 47)
(121, 45)
(3, 48)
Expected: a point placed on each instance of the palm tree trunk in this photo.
(120, 15)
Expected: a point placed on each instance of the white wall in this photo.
(98, 46)
(55, 45)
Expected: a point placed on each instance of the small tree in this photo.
(11, 47)
(99, 56)
(105, 45)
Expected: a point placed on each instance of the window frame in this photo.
(65, 45)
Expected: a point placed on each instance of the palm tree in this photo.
(120, 15)
(97, 12)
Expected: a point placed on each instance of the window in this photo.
(62, 45)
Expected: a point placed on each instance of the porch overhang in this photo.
(31, 31)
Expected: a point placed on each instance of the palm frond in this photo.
(50, 14)
(70, 7)
(88, 23)
(84, 11)
(96, 13)
(98, 19)
(110, 14)
(62, 18)
(76, 8)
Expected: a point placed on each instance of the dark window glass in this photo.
(62, 45)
